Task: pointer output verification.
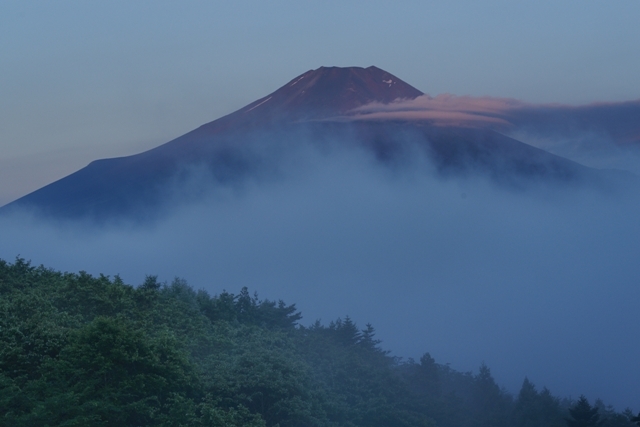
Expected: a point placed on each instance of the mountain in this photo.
(329, 91)
(311, 107)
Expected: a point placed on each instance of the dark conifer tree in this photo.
(490, 400)
(526, 410)
(367, 340)
(428, 375)
(583, 415)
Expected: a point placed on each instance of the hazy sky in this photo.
(84, 80)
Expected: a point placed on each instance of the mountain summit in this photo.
(335, 90)
(249, 143)
(320, 94)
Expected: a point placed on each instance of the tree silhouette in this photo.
(583, 414)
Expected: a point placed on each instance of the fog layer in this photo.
(542, 283)
(600, 135)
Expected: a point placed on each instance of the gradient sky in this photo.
(84, 79)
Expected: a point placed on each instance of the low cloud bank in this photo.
(601, 135)
(540, 283)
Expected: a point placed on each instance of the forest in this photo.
(80, 350)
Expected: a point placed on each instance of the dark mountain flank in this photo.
(312, 108)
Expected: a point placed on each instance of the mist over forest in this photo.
(538, 281)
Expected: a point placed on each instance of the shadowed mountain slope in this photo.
(310, 108)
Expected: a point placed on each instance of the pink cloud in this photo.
(617, 120)
(444, 109)
(459, 118)
(446, 102)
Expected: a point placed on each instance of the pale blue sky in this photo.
(86, 79)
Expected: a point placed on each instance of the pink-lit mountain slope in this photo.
(323, 93)
(311, 109)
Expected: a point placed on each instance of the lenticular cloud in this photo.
(444, 109)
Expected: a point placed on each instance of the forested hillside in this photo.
(78, 350)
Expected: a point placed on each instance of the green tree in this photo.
(112, 373)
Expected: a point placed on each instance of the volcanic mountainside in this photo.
(314, 106)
